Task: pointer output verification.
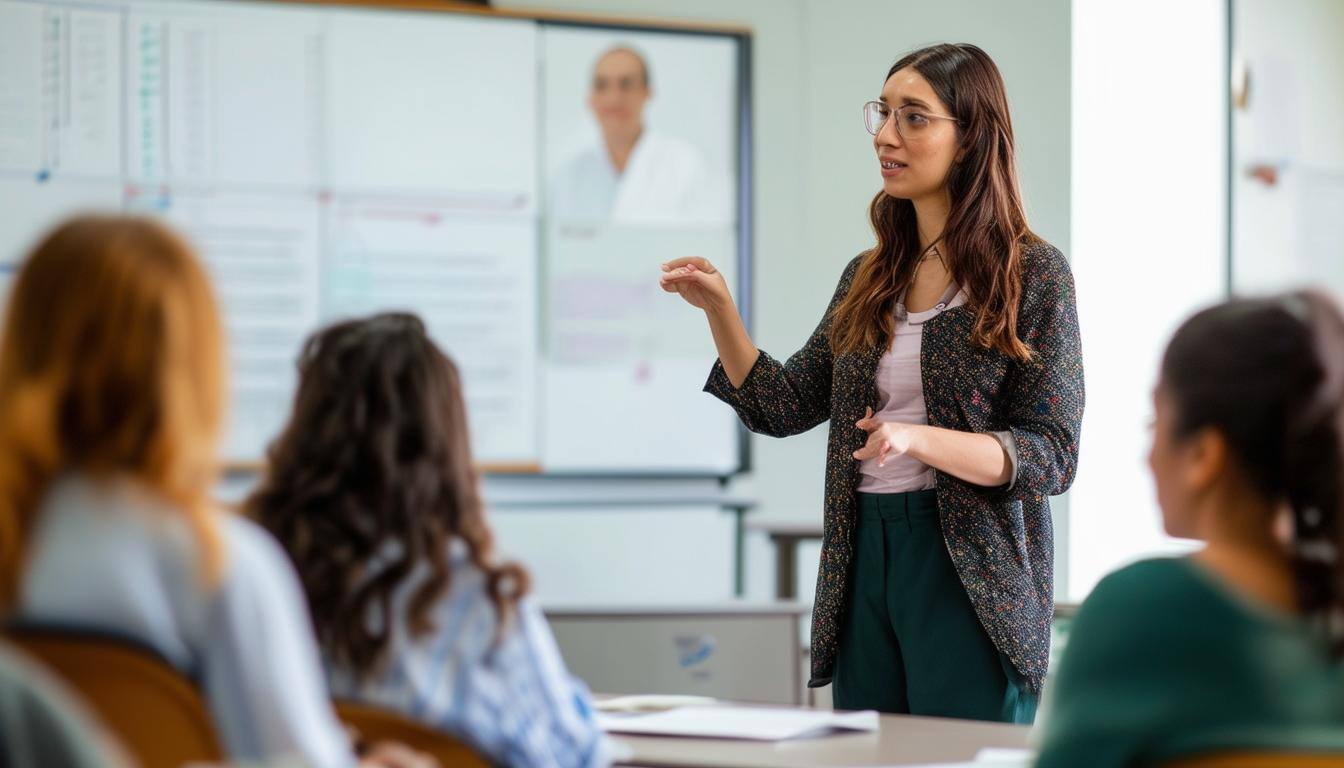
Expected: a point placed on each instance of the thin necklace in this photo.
(933, 251)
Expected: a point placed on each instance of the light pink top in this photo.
(900, 392)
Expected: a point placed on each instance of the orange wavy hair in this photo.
(111, 365)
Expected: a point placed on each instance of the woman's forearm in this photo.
(975, 457)
(737, 351)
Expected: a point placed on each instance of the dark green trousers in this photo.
(910, 642)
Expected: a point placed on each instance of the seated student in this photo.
(111, 397)
(372, 490)
(1234, 648)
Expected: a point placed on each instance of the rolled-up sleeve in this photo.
(1009, 445)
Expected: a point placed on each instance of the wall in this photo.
(1149, 233)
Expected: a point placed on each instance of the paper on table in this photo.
(1008, 758)
(751, 723)
(651, 702)
(992, 757)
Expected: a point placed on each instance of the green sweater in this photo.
(1164, 661)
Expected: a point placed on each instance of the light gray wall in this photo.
(814, 63)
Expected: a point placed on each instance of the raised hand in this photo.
(698, 282)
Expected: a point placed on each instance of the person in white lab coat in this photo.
(633, 175)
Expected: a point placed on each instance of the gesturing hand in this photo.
(885, 439)
(698, 282)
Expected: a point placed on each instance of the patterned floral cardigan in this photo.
(1000, 539)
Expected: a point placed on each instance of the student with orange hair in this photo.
(111, 401)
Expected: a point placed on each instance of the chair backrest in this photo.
(157, 713)
(375, 724)
(1260, 760)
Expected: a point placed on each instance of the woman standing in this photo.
(949, 365)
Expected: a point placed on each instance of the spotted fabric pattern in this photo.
(1000, 539)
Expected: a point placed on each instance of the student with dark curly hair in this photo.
(372, 491)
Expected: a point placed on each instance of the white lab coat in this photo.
(666, 182)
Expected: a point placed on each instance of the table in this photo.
(900, 740)
(786, 536)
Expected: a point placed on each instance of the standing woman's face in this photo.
(916, 159)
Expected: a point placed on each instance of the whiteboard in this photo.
(331, 162)
(1288, 145)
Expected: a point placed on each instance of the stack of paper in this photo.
(752, 723)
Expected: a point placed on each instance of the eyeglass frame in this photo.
(896, 111)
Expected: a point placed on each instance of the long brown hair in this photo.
(111, 365)
(371, 481)
(1268, 374)
(986, 228)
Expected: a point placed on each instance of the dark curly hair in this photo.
(376, 452)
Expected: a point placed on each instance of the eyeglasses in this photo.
(912, 121)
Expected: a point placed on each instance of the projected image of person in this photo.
(633, 174)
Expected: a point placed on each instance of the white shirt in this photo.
(666, 181)
(111, 557)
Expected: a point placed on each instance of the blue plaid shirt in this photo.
(513, 700)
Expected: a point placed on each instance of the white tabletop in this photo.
(900, 740)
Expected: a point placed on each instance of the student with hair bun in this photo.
(1235, 648)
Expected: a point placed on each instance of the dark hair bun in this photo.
(1268, 374)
